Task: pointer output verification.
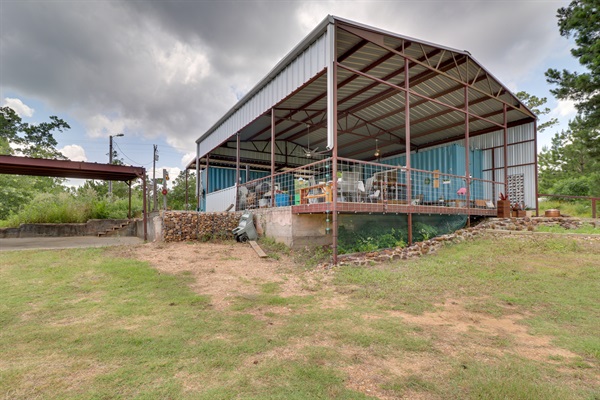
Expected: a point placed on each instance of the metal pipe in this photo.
(129, 210)
(535, 160)
(505, 150)
(332, 92)
(144, 205)
(186, 190)
(467, 155)
(407, 141)
(198, 177)
(272, 157)
(237, 169)
(110, 157)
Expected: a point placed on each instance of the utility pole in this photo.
(110, 158)
(154, 196)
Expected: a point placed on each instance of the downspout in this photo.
(332, 130)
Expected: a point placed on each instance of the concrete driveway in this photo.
(39, 243)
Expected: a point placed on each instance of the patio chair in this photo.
(369, 195)
(347, 188)
(417, 200)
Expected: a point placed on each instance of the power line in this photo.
(125, 155)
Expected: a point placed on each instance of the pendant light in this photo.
(377, 153)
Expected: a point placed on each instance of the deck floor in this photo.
(384, 207)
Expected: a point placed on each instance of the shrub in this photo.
(65, 207)
(572, 187)
(370, 237)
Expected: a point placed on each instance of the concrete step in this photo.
(114, 229)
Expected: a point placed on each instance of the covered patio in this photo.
(360, 120)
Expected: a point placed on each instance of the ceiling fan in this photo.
(308, 152)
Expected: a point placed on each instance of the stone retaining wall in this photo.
(181, 226)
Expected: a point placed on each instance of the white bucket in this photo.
(262, 203)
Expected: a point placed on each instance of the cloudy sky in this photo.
(162, 72)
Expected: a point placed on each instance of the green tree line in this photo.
(571, 164)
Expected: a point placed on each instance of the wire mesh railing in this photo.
(364, 186)
(309, 184)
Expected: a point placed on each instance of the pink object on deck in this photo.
(462, 191)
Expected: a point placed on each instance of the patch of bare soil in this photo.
(460, 331)
(223, 271)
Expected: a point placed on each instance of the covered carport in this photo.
(78, 170)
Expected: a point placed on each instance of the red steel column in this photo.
(407, 140)
(272, 157)
(467, 157)
(334, 168)
(129, 210)
(237, 170)
(207, 180)
(537, 205)
(505, 150)
(332, 93)
(186, 189)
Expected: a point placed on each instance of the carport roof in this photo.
(68, 169)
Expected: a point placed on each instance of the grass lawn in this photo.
(497, 318)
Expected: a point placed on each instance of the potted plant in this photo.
(517, 211)
(503, 206)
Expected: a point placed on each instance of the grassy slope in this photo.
(80, 324)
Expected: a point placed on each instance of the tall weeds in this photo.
(66, 207)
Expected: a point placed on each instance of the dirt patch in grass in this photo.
(223, 271)
(460, 331)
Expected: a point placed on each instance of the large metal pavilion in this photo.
(352, 103)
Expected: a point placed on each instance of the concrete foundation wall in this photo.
(90, 228)
(294, 230)
(154, 227)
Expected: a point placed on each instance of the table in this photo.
(324, 191)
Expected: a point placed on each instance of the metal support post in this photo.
(407, 140)
(154, 196)
(272, 157)
(467, 156)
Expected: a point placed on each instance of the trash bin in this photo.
(245, 230)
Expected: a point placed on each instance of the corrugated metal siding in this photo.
(304, 67)
(529, 172)
(223, 178)
(219, 201)
(518, 154)
(447, 159)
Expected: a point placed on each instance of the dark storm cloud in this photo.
(174, 67)
(158, 67)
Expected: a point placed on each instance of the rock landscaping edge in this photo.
(490, 226)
